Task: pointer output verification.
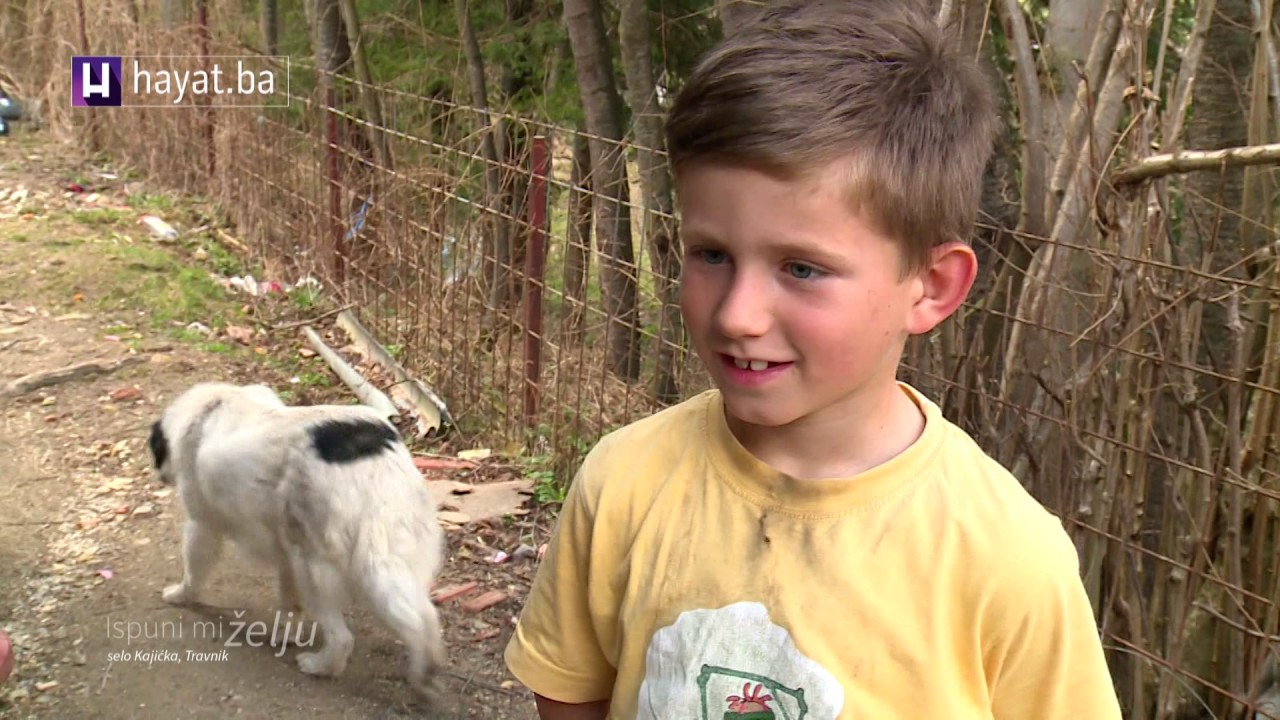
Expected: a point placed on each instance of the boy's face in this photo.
(796, 306)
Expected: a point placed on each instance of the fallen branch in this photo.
(81, 371)
(368, 394)
(11, 343)
(225, 238)
(1192, 160)
(428, 406)
(311, 321)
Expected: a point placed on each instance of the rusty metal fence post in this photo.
(534, 272)
(334, 182)
(202, 38)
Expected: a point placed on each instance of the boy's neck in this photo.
(842, 441)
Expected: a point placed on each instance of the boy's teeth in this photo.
(756, 365)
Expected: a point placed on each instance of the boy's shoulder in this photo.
(972, 473)
(1003, 523)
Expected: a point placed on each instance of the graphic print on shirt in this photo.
(755, 703)
(733, 663)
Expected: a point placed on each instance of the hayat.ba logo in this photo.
(179, 81)
(96, 81)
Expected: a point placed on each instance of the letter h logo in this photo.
(96, 81)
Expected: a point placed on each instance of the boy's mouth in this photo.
(751, 364)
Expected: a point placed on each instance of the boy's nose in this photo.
(744, 311)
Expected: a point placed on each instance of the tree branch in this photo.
(1034, 156)
(1192, 160)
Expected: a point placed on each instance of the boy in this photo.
(812, 539)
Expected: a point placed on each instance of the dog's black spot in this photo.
(342, 441)
(159, 445)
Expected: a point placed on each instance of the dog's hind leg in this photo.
(288, 588)
(426, 677)
(200, 549)
(404, 605)
(324, 597)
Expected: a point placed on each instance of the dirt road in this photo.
(88, 539)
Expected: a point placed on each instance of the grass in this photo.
(100, 261)
(153, 204)
(228, 264)
(97, 217)
(171, 294)
(304, 298)
(303, 373)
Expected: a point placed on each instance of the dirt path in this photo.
(88, 539)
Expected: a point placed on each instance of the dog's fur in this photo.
(326, 494)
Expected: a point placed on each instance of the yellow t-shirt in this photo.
(687, 580)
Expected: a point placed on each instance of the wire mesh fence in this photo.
(1127, 375)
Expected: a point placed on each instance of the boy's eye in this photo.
(712, 257)
(800, 271)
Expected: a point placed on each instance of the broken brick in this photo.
(128, 393)
(444, 595)
(484, 601)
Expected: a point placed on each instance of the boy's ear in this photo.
(945, 283)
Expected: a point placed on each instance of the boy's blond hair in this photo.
(874, 83)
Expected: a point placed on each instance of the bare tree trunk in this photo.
(1019, 253)
(309, 12)
(368, 93)
(333, 59)
(1031, 117)
(577, 253)
(333, 53)
(1213, 236)
(1073, 215)
(1219, 98)
(497, 254)
(1071, 29)
(271, 26)
(655, 180)
(593, 62)
(513, 147)
(1224, 100)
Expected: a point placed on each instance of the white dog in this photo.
(327, 494)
